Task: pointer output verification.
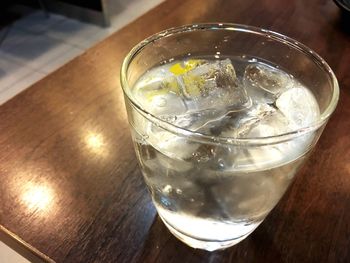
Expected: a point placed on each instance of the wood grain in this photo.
(70, 185)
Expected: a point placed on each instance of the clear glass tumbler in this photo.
(211, 189)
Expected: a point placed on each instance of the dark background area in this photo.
(91, 4)
(9, 13)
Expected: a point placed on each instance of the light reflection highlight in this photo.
(96, 144)
(38, 197)
(95, 141)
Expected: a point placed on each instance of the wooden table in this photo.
(70, 187)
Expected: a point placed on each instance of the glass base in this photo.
(204, 244)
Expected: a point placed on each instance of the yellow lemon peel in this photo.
(178, 69)
(193, 85)
(192, 63)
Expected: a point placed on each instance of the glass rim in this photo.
(238, 28)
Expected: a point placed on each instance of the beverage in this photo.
(222, 117)
(220, 192)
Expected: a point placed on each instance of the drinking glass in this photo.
(212, 191)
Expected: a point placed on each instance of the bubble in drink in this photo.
(220, 192)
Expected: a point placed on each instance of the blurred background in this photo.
(39, 36)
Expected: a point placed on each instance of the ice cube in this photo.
(179, 194)
(169, 144)
(213, 85)
(241, 124)
(191, 86)
(195, 95)
(272, 125)
(160, 95)
(199, 121)
(248, 196)
(265, 83)
(299, 106)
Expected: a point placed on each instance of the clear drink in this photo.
(213, 192)
(219, 139)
